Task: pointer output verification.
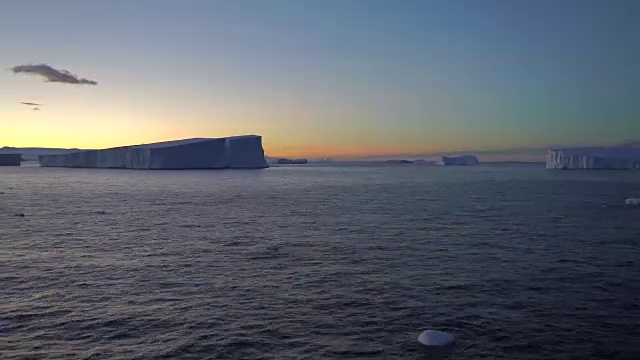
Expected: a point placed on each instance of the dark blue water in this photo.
(318, 263)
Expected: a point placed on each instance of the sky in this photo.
(324, 78)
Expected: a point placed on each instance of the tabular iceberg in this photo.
(612, 157)
(468, 160)
(10, 159)
(282, 161)
(237, 152)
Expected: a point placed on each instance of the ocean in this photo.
(318, 262)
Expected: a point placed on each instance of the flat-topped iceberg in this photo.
(237, 152)
(605, 157)
(282, 161)
(464, 160)
(10, 159)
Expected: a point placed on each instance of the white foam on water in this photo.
(632, 201)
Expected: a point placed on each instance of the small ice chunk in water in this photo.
(632, 201)
(436, 338)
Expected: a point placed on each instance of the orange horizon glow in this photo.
(270, 151)
(340, 152)
(386, 80)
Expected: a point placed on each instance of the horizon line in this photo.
(530, 151)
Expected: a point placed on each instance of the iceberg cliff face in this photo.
(468, 160)
(614, 157)
(245, 152)
(10, 159)
(31, 154)
(239, 152)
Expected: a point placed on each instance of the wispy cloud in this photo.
(30, 103)
(52, 75)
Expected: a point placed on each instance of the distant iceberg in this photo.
(464, 160)
(10, 159)
(611, 157)
(238, 152)
(291, 161)
(425, 162)
(31, 154)
(399, 161)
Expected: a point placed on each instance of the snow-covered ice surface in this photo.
(197, 153)
(436, 338)
(613, 157)
(468, 160)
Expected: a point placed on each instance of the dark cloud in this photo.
(30, 103)
(52, 75)
(36, 109)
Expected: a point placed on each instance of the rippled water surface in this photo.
(318, 263)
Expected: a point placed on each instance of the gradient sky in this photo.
(324, 77)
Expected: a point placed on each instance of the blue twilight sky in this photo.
(325, 77)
